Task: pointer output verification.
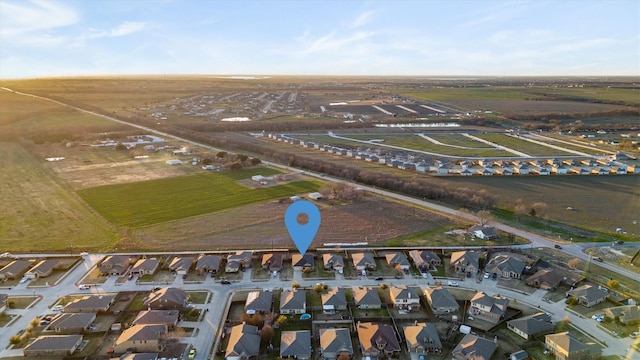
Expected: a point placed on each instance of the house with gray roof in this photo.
(465, 262)
(44, 268)
(334, 342)
(147, 266)
(181, 265)
(258, 302)
(627, 314)
(441, 301)
(422, 338)
(53, 345)
(366, 298)
(483, 232)
(72, 323)
(303, 262)
(293, 302)
(208, 263)
(15, 269)
(296, 344)
(334, 300)
(364, 261)
(142, 338)
(244, 342)
(166, 317)
(424, 259)
(472, 347)
(546, 279)
(566, 346)
(166, 299)
(333, 262)
(114, 264)
(588, 295)
(241, 259)
(404, 298)
(491, 308)
(505, 266)
(531, 326)
(90, 304)
(397, 260)
(378, 339)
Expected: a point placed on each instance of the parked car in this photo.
(44, 323)
(486, 275)
(634, 334)
(557, 246)
(425, 275)
(58, 308)
(192, 354)
(597, 258)
(225, 282)
(452, 283)
(379, 278)
(84, 287)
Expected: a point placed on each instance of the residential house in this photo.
(564, 346)
(588, 295)
(333, 262)
(72, 323)
(244, 342)
(259, 302)
(239, 260)
(296, 344)
(181, 265)
(505, 266)
(293, 302)
(483, 232)
(43, 269)
(366, 298)
(167, 317)
(304, 262)
(53, 345)
(335, 342)
(491, 308)
(272, 261)
(398, 261)
(424, 259)
(208, 263)
(377, 340)
(15, 269)
(364, 261)
(531, 326)
(404, 298)
(546, 279)
(441, 301)
(145, 267)
(628, 314)
(465, 262)
(519, 355)
(142, 338)
(90, 304)
(472, 347)
(422, 338)
(114, 264)
(334, 300)
(166, 299)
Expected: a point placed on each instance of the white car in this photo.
(57, 308)
(24, 280)
(425, 275)
(4, 255)
(84, 287)
(486, 275)
(453, 283)
(84, 253)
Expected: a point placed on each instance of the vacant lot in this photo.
(521, 145)
(151, 202)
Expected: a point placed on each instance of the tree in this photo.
(255, 161)
(295, 285)
(221, 154)
(254, 319)
(15, 339)
(266, 334)
(34, 322)
(613, 284)
(281, 320)
(539, 208)
(343, 356)
(573, 263)
(236, 166)
(485, 216)
(572, 301)
(318, 288)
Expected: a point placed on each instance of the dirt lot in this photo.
(371, 219)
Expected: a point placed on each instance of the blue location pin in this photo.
(302, 235)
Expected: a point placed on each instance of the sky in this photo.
(302, 37)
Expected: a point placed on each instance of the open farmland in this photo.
(39, 211)
(151, 202)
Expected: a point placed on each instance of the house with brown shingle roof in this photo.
(208, 263)
(114, 264)
(166, 317)
(72, 323)
(90, 304)
(43, 269)
(491, 308)
(377, 339)
(424, 259)
(167, 299)
(181, 265)
(272, 261)
(566, 346)
(142, 338)
(53, 345)
(145, 267)
(465, 262)
(546, 279)
(15, 269)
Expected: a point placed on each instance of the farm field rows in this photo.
(151, 202)
(39, 210)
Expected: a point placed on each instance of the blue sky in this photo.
(456, 37)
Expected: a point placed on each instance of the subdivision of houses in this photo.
(377, 339)
(588, 295)
(422, 338)
(505, 266)
(404, 298)
(259, 302)
(491, 308)
(166, 299)
(335, 342)
(244, 342)
(531, 326)
(334, 300)
(142, 338)
(333, 262)
(295, 344)
(366, 298)
(441, 301)
(472, 347)
(467, 262)
(293, 302)
(564, 346)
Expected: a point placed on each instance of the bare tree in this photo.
(485, 216)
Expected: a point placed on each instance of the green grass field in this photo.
(455, 139)
(151, 202)
(524, 146)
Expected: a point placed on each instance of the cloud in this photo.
(124, 29)
(17, 18)
(363, 19)
(331, 42)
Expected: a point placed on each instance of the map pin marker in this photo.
(302, 235)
